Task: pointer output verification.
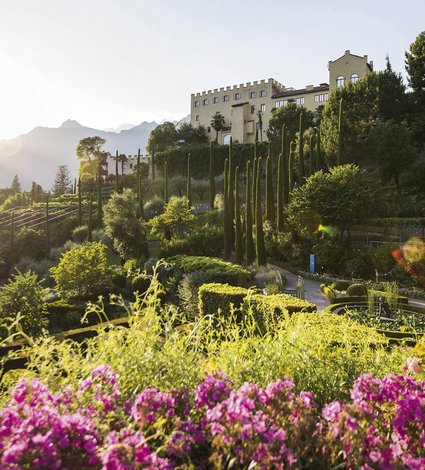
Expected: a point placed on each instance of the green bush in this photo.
(340, 285)
(140, 283)
(174, 247)
(329, 292)
(356, 290)
(80, 234)
(232, 273)
(206, 241)
(118, 280)
(83, 270)
(22, 298)
(217, 299)
(268, 310)
(31, 243)
(381, 256)
(153, 207)
(40, 267)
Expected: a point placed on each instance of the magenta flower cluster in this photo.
(212, 426)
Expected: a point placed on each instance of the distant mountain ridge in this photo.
(35, 156)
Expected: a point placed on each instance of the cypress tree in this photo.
(47, 220)
(279, 211)
(256, 144)
(270, 215)
(116, 172)
(230, 189)
(291, 167)
(311, 155)
(254, 182)
(339, 150)
(249, 242)
(189, 180)
(166, 182)
(211, 179)
(301, 153)
(138, 177)
(99, 195)
(226, 211)
(12, 237)
(153, 161)
(89, 220)
(141, 212)
(74, 189)
(259, 235)
(318, 150)
(238, 228)
(285, 159)
(80, 208)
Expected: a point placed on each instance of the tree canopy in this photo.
(340, 198)
(290, 116)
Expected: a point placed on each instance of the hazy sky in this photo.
(106, 63)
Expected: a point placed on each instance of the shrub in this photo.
(358, 264)
(356, 290)
(31, 243)
(83, 270)
(206, 241)
(80, 234)
(381, 256)
(269, 279)
(119, 280)
(153, 207)
(140, 283)
(174, 247)
(268, 310)
(41, 268)
(22, 299)
(189, 287)
(225, 271)
(217, 299)
(340, 285)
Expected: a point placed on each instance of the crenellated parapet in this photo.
(271, 82)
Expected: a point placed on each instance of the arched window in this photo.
(226, 139)
(354, 78)
(340, 81)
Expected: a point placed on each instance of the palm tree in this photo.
(217, 123)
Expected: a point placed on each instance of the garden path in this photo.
(311, 288)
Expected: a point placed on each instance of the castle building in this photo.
(248, 107)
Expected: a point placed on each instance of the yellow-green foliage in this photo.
(217, 299)
(268, 310)
(82, 270)
(189, 264)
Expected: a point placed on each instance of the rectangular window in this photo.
(316, 98)
(205, 102)
(299, 101)
(285, 102)
(215, 99)
(253, 94)
(263, 93)
(237, 96)
(252, 109)
(197, 117)
(279, 104)
(263, 108)
(226, 98)
(197, 104)
(326, 96)
(209, 129)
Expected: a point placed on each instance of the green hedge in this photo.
(225, 272)
(200, 158)
(215, 298)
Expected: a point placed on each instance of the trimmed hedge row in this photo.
(215, 298)
(200, 158)
(224, 271)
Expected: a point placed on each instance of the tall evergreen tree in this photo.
(211, 178)
(153, 162)
(99, 196)
(12, 238)
(189, 180)
(318, 150)
(238, 227)
(62, 182)
(80, 208)
(47, 220)
(230, 189)
(165, 182)
(339, 149)
(291, 166)
(90, 220)
(284, 152)
(249, 241)
(311, 155)
(259, 234)
(116, 171)
(270, 214)
(301, 153)
(254, 184)
(226, 231)
(16, 185)
(280, 180)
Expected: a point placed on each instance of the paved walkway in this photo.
(311, 288)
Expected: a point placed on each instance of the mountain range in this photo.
(35, 156)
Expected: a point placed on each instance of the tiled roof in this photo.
(302, 91)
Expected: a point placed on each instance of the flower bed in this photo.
(213, 425)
